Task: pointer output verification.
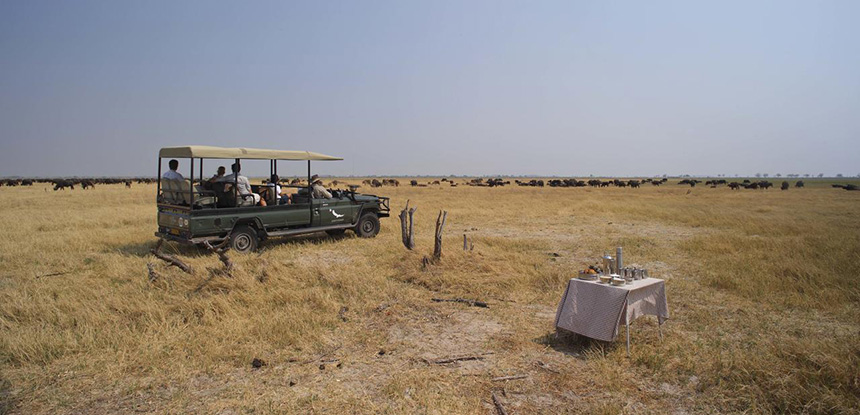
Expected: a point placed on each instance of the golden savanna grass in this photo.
(762, 285)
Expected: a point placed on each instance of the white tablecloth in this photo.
(597, 310)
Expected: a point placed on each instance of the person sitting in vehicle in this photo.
(243, 186)
(273, 191)
(219, 174)
(319, 191)
(172, 174)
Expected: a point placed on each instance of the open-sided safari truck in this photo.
(194, 210)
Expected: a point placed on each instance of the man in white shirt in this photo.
(243, 185)
(274, 189)
(172, 174)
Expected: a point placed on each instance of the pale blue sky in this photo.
(436, 87)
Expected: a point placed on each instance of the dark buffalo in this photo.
(63, 184)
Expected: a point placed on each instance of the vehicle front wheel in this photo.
(244, 239)
(367, 226)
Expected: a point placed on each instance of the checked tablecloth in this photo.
(597, 310)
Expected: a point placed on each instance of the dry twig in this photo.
(446, 360)
(53, 274)
(506, 378)
(473, 303)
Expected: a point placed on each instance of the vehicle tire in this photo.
(335, 232)
(367, 226)
(244, 239)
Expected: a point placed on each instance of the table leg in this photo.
(627, 321)
(627, 324)
(660, 328)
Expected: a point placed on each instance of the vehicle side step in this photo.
(314, 229)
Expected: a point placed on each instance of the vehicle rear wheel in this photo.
(367, 226)
(244, 239)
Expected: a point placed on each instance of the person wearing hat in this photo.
(319, 192)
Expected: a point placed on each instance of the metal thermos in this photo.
(619, 262)
(607, 264)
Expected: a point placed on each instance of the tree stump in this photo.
(440, 225)
(406, 228)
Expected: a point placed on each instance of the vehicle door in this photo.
(334, 211)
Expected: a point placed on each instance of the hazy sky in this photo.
(435, 87)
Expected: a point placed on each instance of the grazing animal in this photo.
(86, 184)
(128, 184)
(799, 183)
(734, 185)
(413, 182)
(784, 186)
(26, 182)
(63, 184)
(847, 186)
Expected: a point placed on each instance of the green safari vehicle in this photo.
(194, 210)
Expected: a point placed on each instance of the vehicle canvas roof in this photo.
(240, 153)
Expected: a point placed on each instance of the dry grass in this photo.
(762, 288)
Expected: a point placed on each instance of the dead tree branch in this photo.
(221, 250)
(153, 276)
(170, 259)
(498, 403)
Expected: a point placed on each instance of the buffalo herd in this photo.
(90, 183)
(84, 183)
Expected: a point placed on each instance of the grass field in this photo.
(762, 285)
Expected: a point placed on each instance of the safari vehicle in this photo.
(189, 213)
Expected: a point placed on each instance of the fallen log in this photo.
(473, 303)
